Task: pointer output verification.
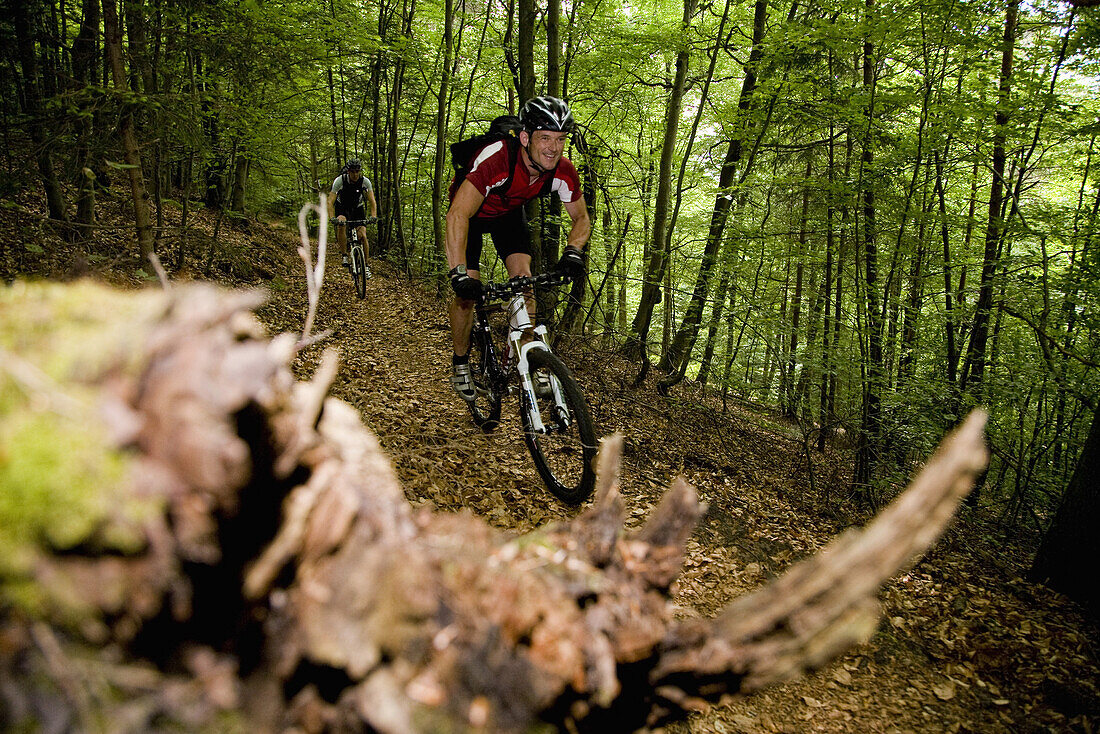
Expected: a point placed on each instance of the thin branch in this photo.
(315, 275)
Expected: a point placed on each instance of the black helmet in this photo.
(353, 165)
(546, 113)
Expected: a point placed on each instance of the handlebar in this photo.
(522, 284)
(353, 222)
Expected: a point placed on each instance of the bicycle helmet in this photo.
(353, 165)
(546, 113)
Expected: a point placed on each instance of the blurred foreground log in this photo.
(189, 535)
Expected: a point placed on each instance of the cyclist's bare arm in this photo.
(465, 205)
(582, 225)
(373, 204)
(331, 204)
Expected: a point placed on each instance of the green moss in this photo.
(62, 482)
(54, 477)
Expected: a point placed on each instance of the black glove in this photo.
(464, 286)
(571, 264)
(370, 220)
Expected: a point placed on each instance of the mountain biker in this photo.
(350, 192)
(480, 205)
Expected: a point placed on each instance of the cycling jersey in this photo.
(489, 171)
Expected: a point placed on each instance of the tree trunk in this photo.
(657, 263)
(84, 65)
(974, 369)
(678, 356)
(868, 445)
(131, 151)
(950, 316)
(1067, 555)
(790, 399)
(240, 183)
(439, 206)
(25, 35)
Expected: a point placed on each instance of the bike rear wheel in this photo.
(565, 454)
(485, 407)
(359, 271)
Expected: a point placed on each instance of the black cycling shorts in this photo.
(353, 214)
(509, 232)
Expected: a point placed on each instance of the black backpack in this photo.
(465, 151)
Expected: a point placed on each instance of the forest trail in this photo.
(964, 645)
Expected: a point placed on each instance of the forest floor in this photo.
(965, 645)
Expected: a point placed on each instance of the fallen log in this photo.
(201, 536)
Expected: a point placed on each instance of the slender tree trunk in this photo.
(790, 406)
(950, 316)
(84, 66)
(915, 297)
(240, 183)
(824, 418)
(131, 152)
(657, 263)
(678, 356)
(868, 446)
(974, 369)
(438, 207)
(720, 297)
(33, 104)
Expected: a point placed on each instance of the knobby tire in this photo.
(485, 408)
(359, 271)
(564, 458)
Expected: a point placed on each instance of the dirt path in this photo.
(937, 663)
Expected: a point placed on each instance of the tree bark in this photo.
(131, 151)
(657, 262)
(974, 368)
(348, 610)
(1066, 558)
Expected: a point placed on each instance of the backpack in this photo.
(465, 151)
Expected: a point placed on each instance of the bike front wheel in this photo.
(485, 407)
(359, 271)
(565, 451)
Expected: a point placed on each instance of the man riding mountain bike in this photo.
(490, 200)
(351, 192)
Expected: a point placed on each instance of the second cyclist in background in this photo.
(350, 197)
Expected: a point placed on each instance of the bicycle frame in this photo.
(353, 226)
(516, 356)
(519, 322)
(557, 427)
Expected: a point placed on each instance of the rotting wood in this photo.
(264, 517)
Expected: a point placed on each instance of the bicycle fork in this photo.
(519, 322)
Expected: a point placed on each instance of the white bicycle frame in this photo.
(519, 322)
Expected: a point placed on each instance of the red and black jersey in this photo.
(489, 174)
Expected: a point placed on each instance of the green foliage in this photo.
(294, 88)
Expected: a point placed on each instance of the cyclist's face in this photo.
(546, 147)
(354, 174)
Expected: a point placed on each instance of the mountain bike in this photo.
(357, 256)
(557, 428)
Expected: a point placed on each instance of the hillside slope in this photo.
(966, 645)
